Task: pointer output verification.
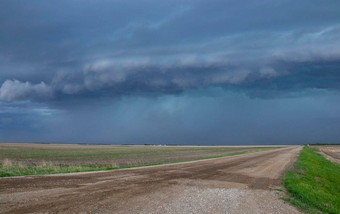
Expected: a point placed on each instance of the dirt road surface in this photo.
(237, 184)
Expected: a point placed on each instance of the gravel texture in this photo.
(238, 184)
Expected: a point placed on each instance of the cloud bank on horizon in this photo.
(66, 60)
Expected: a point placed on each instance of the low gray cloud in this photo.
(14, 90)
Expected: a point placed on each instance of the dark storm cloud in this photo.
(188, 72)
(109, 48)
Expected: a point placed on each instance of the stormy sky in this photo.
(170, 72)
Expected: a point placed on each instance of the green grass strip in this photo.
(315, 184)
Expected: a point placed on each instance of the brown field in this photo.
(34, 159)
(331, 152)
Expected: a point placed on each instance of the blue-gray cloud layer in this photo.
(63, 55)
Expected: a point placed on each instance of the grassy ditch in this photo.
(20, 160)
(315, 184)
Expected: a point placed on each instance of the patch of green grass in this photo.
(315, 184)
(18, 169)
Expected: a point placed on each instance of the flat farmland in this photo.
(36, 159)
(246, 183)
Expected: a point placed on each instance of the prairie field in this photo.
(34, 159)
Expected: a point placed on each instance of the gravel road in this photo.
(238, 184)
